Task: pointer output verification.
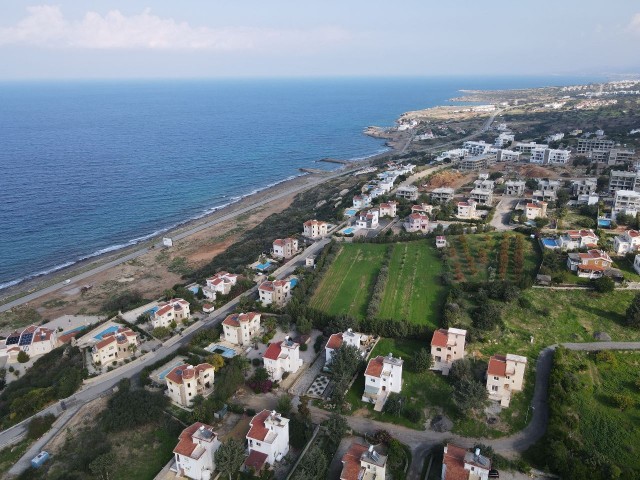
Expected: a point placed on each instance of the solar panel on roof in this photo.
(12, 340)
(26, 339)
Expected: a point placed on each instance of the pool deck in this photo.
(165, 369)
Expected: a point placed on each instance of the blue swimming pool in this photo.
(194, 290)
(348, 231)
(152, 311)
(219, 349)
(263, 266)
(105, 331)
(604, 222)
(293, 282)
(166, 371)
(550, 243)
(351, 211)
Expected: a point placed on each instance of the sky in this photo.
(282, 38)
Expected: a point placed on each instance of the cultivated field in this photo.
(346, 287)
(485, 257)
(413, 291)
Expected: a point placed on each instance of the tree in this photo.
(422, 361)
(604, 285)
(487, 316)
(337, 427)
(216, 360)
(632, 318)
(623, 402)
(229, 457)
(103, 465)
(284, 405)
(23, 357)
(160, 332)
(460, 370)
(469, 394)
(303, 409)
(303, 326)
(313, 466)
(173, 325)
(394, 404)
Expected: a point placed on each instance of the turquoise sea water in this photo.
(90, 167)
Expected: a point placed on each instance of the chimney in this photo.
(370, 448)
(477, 452)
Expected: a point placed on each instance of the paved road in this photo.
(501, 220)
(103, 384)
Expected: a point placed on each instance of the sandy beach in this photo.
(149, 272)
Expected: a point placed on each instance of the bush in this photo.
(250, 412)
(303, 347)
(604, 285)
(23, 357)
(40, 425)
(256, 362)
(413, 413)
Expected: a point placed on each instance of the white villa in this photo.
(361, 201)
(194, 454)
(467, 210)
(115, 346)
(447, 346)
(349, 337)
(285, 247)
(459, 463)
(417, 222)
(315, 229)
(220, 283)
(175, 309)
(185, 382)
(282, 357)
(535, 210)
(628, 242)
(388, 209)
(277, 292)
(363, 463)
(32, 340)
(240, 328)
(574, 239)
(505, 374)
(367, 219)
(268, 440)
(441, 241)
(382, 376)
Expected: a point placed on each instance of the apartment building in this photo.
(586, 186)
(315, 229)
(514, 188)
(409, 192)
(622, 180)
(476, 148)
(528, 147)
(447, 346)
(442, 194)
(505, 375)
(627, 202)
(185, 382)
(481, 196)
(586, 145)
(479, 162)
(241, 328)
(508, 156)
(620, 156)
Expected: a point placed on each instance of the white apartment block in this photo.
(621, 180)
(535, 210)
(382, 376)
(508, 156)
(363, 463)
(481, 196)
(221, 283)
(408, 192)
(627, 202)
(528, 147)
(504, 138)
(556, 137)
(442, 194)
(285, 247)
(268, 439)
(241, 328)
(185, 382)
(628, 242)
(479, 162)
(467, 210)
(538, 155)
(277, 292)
(194, 454)
(417, 222)
(619, 156)
(447, 346)
(315, 229)
(514, 188)
(558, 156)
(115, 346)
(282, 357)
(476, 148)
(587, 145)
(175, 310)
(355, 339)
(505, 374)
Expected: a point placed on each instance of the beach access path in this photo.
(104, 384)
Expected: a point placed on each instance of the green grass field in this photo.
(346, 287)
(413, 291)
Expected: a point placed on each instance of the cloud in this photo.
(634, 25)
(45, 26)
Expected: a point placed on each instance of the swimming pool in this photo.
(348, 231)
(550, 243)
(604, 222)
(194, 290)
(351, 211)
(152, 311)
(77, 329)
(219, 349)
(293, 282)
(106, 331)
(263, 266)
(166, 371)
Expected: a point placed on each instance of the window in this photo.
(496, 378)
(494, 388)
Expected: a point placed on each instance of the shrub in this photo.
(413, 413)
(250, 412)
(40, 425)
(256, 362)
(23, 357)
(303, 347)
(623, 402)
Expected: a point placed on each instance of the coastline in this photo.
(15, 295)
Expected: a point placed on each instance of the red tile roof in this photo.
(163, 310)
(266, 286)
(497, 366)
(351, 462)
(335, 341)
(258, 431)
(186, 371)
(374, 368)
(235, 319)
(440, 338)
(256, 460)
(273, 351)
(186, 445)
(454, 461)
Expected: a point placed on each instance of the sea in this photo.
(89, 167)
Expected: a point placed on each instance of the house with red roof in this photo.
(591, 264)
(458, 463)
(505, 375)
(382, 377)
(447, 346)
(628, 242)
(363, 463)
(388, 209)
(276, 292)
(268, 440)
(467, 210)
(220, 284)
(358, 340)
(282, 357)
(185, 382)
(441, 241)
(422, 208)
(533, 210)
(368, 219)
(284, 247)
(575, 239)
(33, 340)
(115, 346)
(175, 310)
(417, 222)
(361, 201)
(315, 229)
(194, 454)
(241, 328)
